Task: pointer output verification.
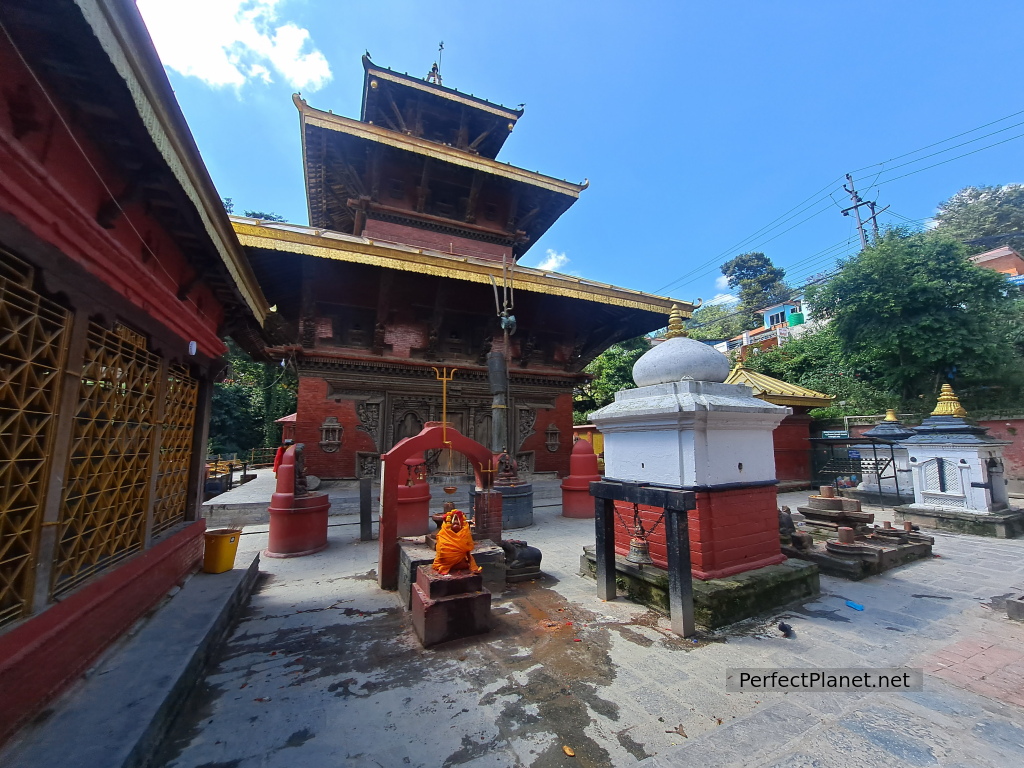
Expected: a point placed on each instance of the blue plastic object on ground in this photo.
(855, 606)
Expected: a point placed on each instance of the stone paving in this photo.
(324, 670)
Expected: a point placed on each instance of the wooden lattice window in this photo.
(180, 394)
(106, 491)
(33, 335)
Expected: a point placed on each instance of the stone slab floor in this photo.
(324, 670)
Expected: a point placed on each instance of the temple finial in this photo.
(890, 415)
(675, 323)
(948, 404)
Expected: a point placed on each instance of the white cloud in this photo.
(723, 298)
(232, 42)
(553, 261)
(722, 282)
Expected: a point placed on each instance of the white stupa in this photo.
(682, 426)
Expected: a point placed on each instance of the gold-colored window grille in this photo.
(106, 491)
(33, 338)
(180, 395)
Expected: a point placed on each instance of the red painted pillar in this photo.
(413, 499)
(576, 499)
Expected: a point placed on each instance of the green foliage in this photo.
(911, 311)
(760, 283)
(715, 322)
(993, 213)
(247, 402)
(229, 205)
(264, 216)
(816, 360)
(612, 371)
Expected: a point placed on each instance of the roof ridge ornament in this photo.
(675, 323)
(948, 404)
(434, 75)
(890, 415)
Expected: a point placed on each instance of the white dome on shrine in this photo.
(678, 358)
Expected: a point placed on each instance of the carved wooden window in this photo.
(106, 490)
(396, 189)
(330, 435)
(180, 395)
(33, 338)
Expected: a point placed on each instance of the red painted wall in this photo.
(43, 655)
(561, 417)
(314, 408)
(731, 531)
(792, 449)
(49, 187)
(1011, 430)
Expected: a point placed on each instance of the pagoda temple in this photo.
(414, 232)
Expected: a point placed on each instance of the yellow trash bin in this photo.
(220, 549)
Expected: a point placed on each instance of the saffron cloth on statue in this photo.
(455, 545)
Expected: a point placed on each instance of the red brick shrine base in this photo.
(731, 531)
(736, 559)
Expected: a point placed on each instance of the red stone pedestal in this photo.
(731, 531)
(449, 607)
(298, 524)
(413, 508)
(576, 499)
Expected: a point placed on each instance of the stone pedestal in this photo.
(448, 607)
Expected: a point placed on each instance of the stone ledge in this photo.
(1000, 525)
(121, 711)
(716, 602)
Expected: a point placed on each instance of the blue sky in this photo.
(697, 123)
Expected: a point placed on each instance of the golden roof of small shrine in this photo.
(777, 392)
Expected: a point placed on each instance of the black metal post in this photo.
(604, 534)
(680, 579)
(365, 519)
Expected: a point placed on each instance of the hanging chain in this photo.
(638, 524)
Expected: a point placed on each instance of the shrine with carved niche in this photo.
(415, 230)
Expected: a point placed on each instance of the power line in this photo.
(702, 270)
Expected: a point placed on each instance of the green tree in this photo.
(265, 216)
(911, 311)
(246, 404)
(994, 216)
(716, 322)
(816, 360)
(760, 283)
(612, 370)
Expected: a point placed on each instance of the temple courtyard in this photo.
(324, 669)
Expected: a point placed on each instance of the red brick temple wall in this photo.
(731, 531)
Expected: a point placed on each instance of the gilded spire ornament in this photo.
(949, 404)
(890, 415)
(675, 323)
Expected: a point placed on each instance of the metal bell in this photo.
(639, 552)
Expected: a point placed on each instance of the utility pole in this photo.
(857, 203)
(873, 218)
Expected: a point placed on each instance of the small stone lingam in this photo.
(839, 536)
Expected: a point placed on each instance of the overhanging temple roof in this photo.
(776, 391)
(340, 154)
(325, 244)
(385, 92)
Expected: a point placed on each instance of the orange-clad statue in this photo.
(455, 545)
